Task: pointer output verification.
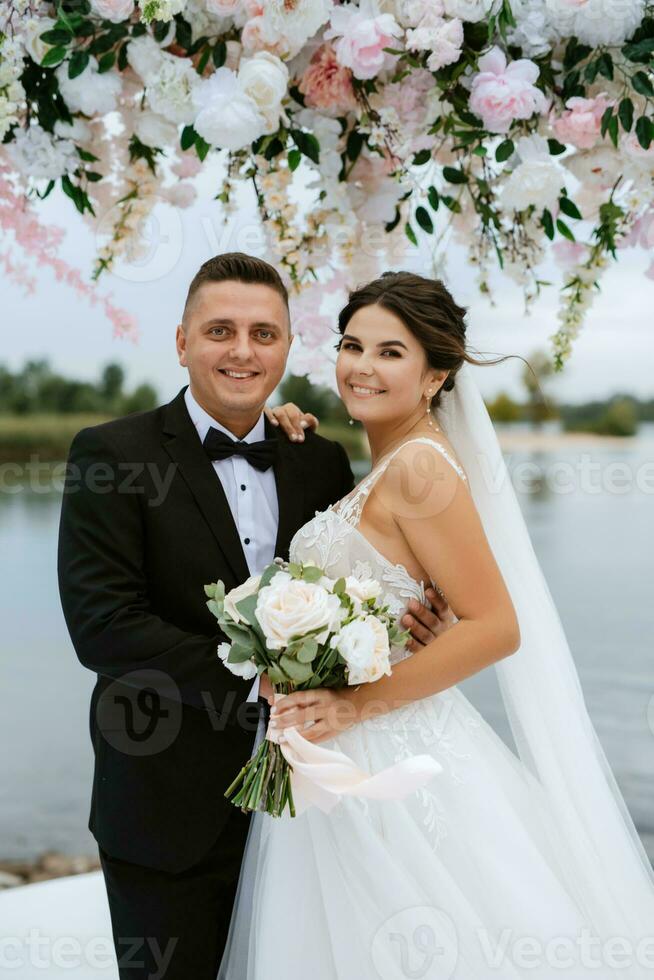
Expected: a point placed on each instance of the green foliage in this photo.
(36, 388)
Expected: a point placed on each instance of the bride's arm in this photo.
(436, 515)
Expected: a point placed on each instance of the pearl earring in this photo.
(430, 421)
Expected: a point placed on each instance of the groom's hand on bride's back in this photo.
(425, 624)
(292, 420)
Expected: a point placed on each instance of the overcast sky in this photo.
(614, 353)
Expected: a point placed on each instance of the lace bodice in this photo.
(333, 541)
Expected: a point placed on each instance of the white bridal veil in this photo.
(602, 857)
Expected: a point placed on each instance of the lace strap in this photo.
(351, 507)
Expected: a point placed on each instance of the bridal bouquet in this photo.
(305, 630)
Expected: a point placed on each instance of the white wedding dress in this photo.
(463, 879)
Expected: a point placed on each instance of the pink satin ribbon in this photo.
(321, 776)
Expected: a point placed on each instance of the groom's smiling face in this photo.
(234, 340)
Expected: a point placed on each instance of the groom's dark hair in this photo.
(235, 266)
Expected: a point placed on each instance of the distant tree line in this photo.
(37, 389)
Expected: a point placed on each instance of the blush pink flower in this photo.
(581, 122)
(326, 84)
(501, 93)
(362, 34)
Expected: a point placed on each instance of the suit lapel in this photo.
(289, 480)
(185, 449)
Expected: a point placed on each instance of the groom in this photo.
(155, 505)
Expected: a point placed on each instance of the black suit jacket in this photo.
(145, 524)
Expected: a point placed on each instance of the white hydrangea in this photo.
(597, 22)
(537, 180)
(39, 154)
(161, 9)
(89, 92)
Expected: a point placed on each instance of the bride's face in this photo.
(381, 370)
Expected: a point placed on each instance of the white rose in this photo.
(264, 77)
(247, 669)
(291, 607)
(33, 27)
(364, 646)
(113, 10)
(227, 116)
(248, 588)
(154, 130)
(362, 589)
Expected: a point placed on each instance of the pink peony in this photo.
(362, 34)
(501, 93)
(581, 122)
(326, 84)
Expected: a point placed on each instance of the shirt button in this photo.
(247, 540)
(243, 487)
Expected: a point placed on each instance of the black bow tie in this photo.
(218, 445)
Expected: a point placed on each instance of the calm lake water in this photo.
(590, 512)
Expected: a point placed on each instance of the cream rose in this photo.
(289, 607)
(248, 588)
(264, 77)
(362, 589)
(364, 646)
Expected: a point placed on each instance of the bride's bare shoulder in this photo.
(422, 478)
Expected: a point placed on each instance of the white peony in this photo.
(38, 154)
(145, 56)
(247, 588)
(596, 22)
(113, 10)
(170, 90)
(31, 30)
(289, 607)
(155, 130)
(472, 10)
(78, 130)
(297, 21)
(364, 646)
(537, 180)
(92, 93)
(246, 669)
(227, 116)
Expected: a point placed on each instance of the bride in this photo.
(502, 865)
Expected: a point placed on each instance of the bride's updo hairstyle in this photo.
(426, 308)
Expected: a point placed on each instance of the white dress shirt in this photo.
(251, 495)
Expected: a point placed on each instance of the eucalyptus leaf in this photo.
(238, 654)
